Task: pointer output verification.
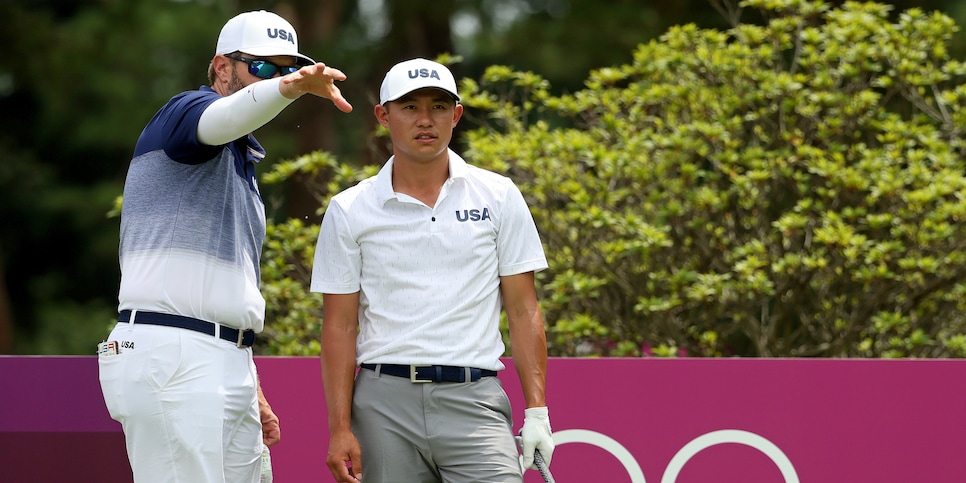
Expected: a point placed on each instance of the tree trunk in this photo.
(6, 314)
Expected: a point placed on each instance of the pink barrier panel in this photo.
(615, 420)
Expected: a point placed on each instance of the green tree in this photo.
(84, 76)
(789, 189)
(294, 314)
(82, 79)
(793, 188)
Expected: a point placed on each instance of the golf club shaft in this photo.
(542, 467)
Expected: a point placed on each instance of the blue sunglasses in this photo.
(264, 69)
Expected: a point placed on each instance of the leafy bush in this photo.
(788, 189)
(293, 322)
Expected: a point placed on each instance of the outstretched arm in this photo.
(234, 116)
(317, 80)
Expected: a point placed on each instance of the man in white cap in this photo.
(177, 370)
(415, 265)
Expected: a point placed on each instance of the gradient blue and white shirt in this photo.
(193, 221)
(428, 277)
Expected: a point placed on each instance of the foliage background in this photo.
(84, 76)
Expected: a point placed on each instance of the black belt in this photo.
(424, 373)
(241, 338)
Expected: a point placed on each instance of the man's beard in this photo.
(234, 84)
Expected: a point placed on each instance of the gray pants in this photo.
(433, 432)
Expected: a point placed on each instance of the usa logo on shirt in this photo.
(473, 215)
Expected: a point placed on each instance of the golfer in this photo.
(415, 265)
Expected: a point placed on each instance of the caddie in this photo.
(177, 370)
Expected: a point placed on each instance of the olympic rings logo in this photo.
(683, 455)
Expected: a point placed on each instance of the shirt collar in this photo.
(457, 170)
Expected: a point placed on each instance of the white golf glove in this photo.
(536, 434)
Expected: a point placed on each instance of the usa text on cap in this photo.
(260, 33)
(414, 74)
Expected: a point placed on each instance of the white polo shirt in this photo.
(428, 277)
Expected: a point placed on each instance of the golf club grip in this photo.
(542, 467)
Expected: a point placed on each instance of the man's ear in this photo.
(222, 66)
(382, 114)
(457, 114)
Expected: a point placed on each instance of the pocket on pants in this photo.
(110, 370)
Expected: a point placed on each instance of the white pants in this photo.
(187, 403)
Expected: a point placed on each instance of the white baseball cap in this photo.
(413, 74)
(260, 33)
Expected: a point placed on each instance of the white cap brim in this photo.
(271, 52)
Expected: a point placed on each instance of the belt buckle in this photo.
(241, 339)
(412, 374)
